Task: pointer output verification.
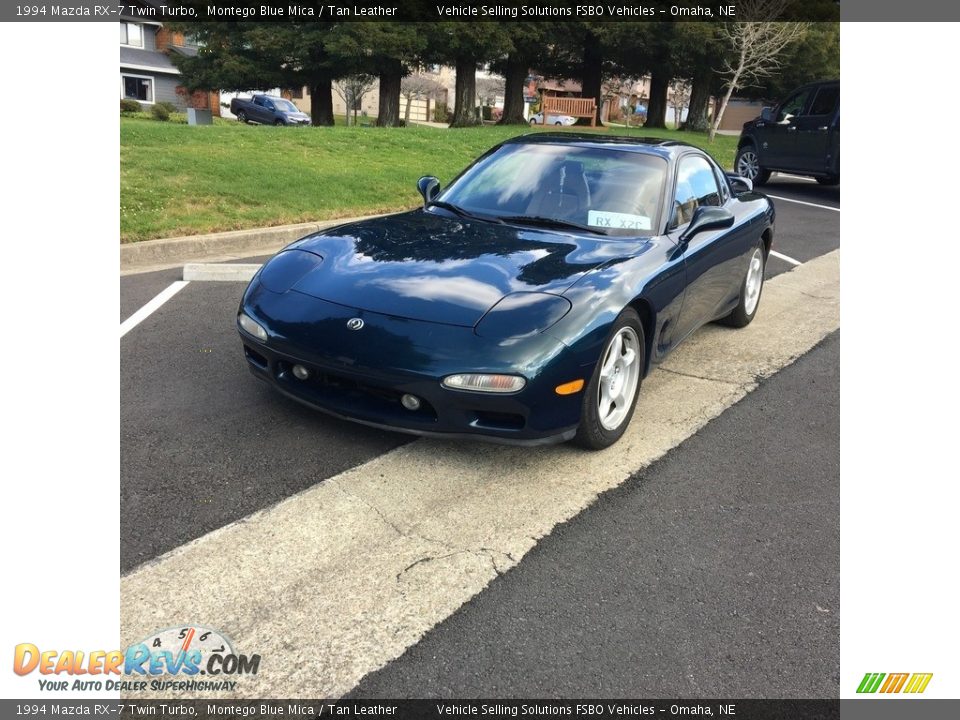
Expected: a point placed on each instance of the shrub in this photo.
(440, 113)
(163, 110)
(129, 106)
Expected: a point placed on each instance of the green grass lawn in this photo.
(181, 180)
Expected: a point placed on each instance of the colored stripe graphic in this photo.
(894, 682)
(915, 683)
(870, 682)
(918, 682)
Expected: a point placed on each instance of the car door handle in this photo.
(823, 128)
(792, 128)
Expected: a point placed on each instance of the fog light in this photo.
(300, 372)
(252, 327)
(410, 402)
(485, 383)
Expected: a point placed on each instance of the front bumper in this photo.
(364, 381)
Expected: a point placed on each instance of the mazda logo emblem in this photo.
(354, 323)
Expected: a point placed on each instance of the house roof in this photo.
(146, 60)
(185, 50)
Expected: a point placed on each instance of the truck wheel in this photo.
(241, 117)
(278, 123)
(747, 164)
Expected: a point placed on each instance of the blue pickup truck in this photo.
(268, 110)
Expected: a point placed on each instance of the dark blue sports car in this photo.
(524, 303)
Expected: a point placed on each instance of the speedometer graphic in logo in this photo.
(189, 637)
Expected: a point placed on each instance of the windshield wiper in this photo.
(551, 222)
(457, 210)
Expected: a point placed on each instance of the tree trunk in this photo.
(515, 78)
(699, 101)
(719, 117)
(465, 94)
(406, 111)
(321, 100)
(390, 77)
(657, 108)
(592, 80)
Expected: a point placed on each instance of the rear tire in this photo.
(750, 291)
(533, 121)
(611, 395)
(241, 117)
(278, 123)
(747, 164)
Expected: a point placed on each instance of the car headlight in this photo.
(522, 313)
(252, 327)
(484, 382)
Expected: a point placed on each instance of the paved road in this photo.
(714, 572)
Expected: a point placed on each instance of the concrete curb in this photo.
(220, 272)
(165, 253)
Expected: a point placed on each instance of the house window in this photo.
(297, 93)
(131, 34)
(137, 87)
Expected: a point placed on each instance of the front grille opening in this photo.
(353, 395)
(498, 420)
(255, 358)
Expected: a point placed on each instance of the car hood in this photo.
(424, 265)
(297, 115)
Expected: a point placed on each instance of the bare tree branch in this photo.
(754, 47)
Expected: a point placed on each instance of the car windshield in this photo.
(614, 192)
(285, 106)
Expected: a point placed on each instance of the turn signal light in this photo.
(574, 386)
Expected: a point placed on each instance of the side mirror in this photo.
(767, 115)
(739, 183)
(707, 218)
(429, 188)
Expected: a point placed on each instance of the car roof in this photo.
(646, 145)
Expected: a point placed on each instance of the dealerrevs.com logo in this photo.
(894, 683)
(190, 658)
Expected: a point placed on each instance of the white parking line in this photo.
(795, 177)
(147, 310)
(785, 258)
(801, 202)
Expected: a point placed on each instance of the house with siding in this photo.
(147, 74)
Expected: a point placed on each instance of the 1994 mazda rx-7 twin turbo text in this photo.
(525, 302)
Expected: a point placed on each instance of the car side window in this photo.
(696, 186)
(793, 105)
(825, 101)
(258, 100)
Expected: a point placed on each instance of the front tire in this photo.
(611, 395)
(533, 121)
(747, 164)
(241, 117)
(750, 291)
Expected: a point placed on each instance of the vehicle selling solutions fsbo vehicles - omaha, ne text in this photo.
(525, 302)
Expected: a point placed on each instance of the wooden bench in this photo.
(572, 106)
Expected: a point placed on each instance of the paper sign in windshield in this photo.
(617, 221)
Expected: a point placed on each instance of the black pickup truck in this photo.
(801, 135)
(268, 110)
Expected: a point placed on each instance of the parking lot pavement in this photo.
(359, 567)
(203, 442)
(715, 572)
